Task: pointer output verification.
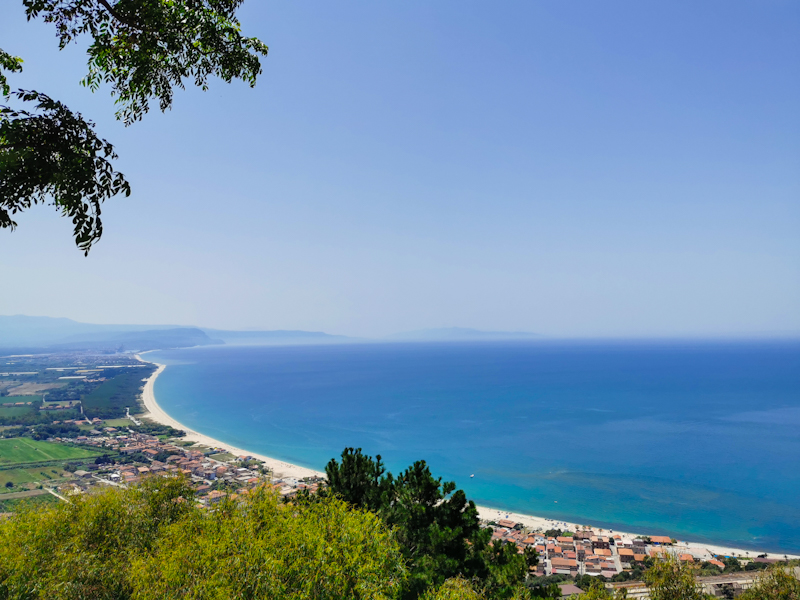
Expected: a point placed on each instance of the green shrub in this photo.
(153, 542)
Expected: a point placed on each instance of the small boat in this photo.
(473, 475)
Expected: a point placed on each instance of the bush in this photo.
(262, 549)
(157, 429)
(43, 432)
(458, 588)
(152, 542)
(776, 583)
(670, 579)
(553, 533)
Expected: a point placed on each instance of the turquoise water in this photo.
(699, 441)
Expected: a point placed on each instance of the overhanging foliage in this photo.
(143, 49)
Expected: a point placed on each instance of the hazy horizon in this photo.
(453, 333)
(575, 170)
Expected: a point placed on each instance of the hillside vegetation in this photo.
(109, 399)
(152, 542)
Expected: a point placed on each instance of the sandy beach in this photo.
(289, 470)
(156, 413)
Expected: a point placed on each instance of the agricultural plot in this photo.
(17, 503)
(15, 411)
(223, 457)
(62, 403)
(118, 423)
(20, 477)
(15, 399)
(25, 450)
(32, 388)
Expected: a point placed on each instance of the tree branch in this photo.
(119, 17)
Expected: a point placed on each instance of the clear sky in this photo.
(575, 168)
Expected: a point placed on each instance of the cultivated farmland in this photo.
(25, 450)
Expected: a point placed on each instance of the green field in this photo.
(17, 503)
(15, 411)
(25, 450)
(20, 477)
(223, 457)
(117, 423)
(63, 403)
(33, 398)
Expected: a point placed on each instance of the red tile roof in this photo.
(660, 539)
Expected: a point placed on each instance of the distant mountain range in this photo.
(454, 334)
(280, 337)
(24, 334)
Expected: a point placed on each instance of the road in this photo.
(134, 419)
(59, 496)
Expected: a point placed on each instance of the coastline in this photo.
(157, 414)
(284, 469)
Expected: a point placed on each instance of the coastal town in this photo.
(618, 561)
(54, 459)
(399, 300)
(71, 423)
(127, 457)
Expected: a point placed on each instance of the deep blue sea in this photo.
(697, 440)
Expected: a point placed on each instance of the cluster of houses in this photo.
(213, 479)
(594, 553)
(589, 552)
(216, 475)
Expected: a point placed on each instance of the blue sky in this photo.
(576, 169)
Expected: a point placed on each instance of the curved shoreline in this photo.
(284, 469)
(157, 414)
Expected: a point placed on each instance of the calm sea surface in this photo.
(701, 441)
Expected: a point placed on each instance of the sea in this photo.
(696, 440)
